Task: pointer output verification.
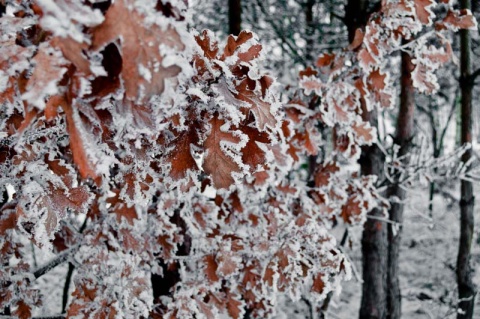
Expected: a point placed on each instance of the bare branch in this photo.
(474, 75)
(450, 116)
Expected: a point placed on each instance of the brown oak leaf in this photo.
(217, 163)
(143, 72)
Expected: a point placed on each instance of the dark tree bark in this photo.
(309, 30)
(374, 237)
(356, 16)
(404, 134)
(234, 16)
(374, 243)
(466, 288)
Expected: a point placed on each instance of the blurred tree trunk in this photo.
(309, 30)
(374, 237)
(466, 288)
(234, 16)
(403, 138)
(356, 16)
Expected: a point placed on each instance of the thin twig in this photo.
(386, 220)
(59, 259)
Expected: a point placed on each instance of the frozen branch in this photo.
(61, 258)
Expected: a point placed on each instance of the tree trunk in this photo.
(309, 30)
(234, 16)
(466, 288)
(404, 134)
(356, 16)
(374, 237)
(374, 243)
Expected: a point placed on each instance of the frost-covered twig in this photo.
(408, 44)
(61, 258)
(354, 269)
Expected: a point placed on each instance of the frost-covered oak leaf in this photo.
(23, 310)
(261, 109)
(48, 71)
(217, 163)
(143, 48)
(423, 10)
(364, 133)
(234, 43)
(180, 154)
(457, 19)
(252, 153)
(324, 174)
(77, 142)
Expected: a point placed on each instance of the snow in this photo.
(3, 81)
(62, 18)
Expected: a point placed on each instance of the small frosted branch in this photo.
(61, 258)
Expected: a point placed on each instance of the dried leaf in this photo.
(23, 311)
(211, 267)
(49, 70)
(143, 70)
(457, 19)
(423, 11)
(180, 156)
(217, 163)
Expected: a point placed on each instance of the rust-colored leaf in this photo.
(423, 11)
(208, 46)
(325, 60)
(308, 72)
(48, 71)
(261, 109)
(23, 310)
(357, 39)
(234, 305)
(226, 264)
(80, 156)
(234, 42)
(457, 19)
(352, 209)
(180, 156)
(143, 72)
(217, 163)
(318, 284)
(324, 172)
(211, 267)
(252, 154)
(364, 132)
